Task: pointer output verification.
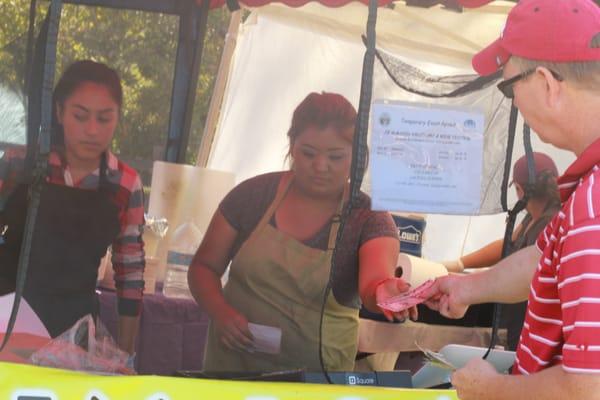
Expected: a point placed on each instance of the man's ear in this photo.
(554, 88)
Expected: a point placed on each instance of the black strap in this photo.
(531, 178)
(35, 97)
(233, 5)
(506, 246)
(29, 54)
(359, 156)
(512, 127)
(103, 183)
(52, 23)
(508, 231)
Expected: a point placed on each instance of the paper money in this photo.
(406, 300)
(436, 359)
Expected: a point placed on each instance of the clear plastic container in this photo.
(183, 246)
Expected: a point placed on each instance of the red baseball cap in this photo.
(473, 3)
(541, 161)
(544, 30)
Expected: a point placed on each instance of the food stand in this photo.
(17, 380)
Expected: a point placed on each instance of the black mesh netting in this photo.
(397, 81)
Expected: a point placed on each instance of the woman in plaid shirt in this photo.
(90, 200)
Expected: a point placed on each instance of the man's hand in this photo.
(444, 296)
(473, 380)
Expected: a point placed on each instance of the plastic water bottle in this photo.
(182, 247)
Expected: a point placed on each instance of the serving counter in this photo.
(21, 382)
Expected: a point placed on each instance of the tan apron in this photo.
(276, 280)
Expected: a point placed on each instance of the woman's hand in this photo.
(454, 265)
(127, 332)
(232, 329)
(391, 287)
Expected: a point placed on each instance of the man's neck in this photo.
(585, 121)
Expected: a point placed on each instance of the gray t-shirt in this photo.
(245, 205)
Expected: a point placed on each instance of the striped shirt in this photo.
(127, 247)
(562, 325)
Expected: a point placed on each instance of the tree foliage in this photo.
(141, 46)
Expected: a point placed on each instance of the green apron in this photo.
(276, 280)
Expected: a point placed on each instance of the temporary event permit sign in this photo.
(426, 158)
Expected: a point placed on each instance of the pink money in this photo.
(406, 300)
(402, 305)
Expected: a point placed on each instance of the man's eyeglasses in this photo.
(506, 86)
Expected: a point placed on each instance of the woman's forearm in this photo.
(377, 261)
(484, 257)
(489, 254)
(205, 286)
(128, 329)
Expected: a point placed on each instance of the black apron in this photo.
(74, 227)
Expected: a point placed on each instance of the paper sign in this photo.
(426, 159)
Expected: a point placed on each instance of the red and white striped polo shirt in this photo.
(562, 325)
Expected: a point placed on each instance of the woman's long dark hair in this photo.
(75, 75)
(545, 188)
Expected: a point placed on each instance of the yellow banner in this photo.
(25, 382)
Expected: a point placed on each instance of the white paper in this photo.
(27, 320)
(426, 159)
(267, 339)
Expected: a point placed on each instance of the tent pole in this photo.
(46, 51)
(216, 100)
(192, 31)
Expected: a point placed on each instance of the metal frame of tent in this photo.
(193, 16)
(40, 71)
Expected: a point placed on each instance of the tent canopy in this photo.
(436, 34)
(455, 4)
(295, 3)
(315, 48)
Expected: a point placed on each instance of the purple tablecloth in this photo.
(172, 333)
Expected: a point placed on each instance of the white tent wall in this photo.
(275, 67)
(283, 54)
